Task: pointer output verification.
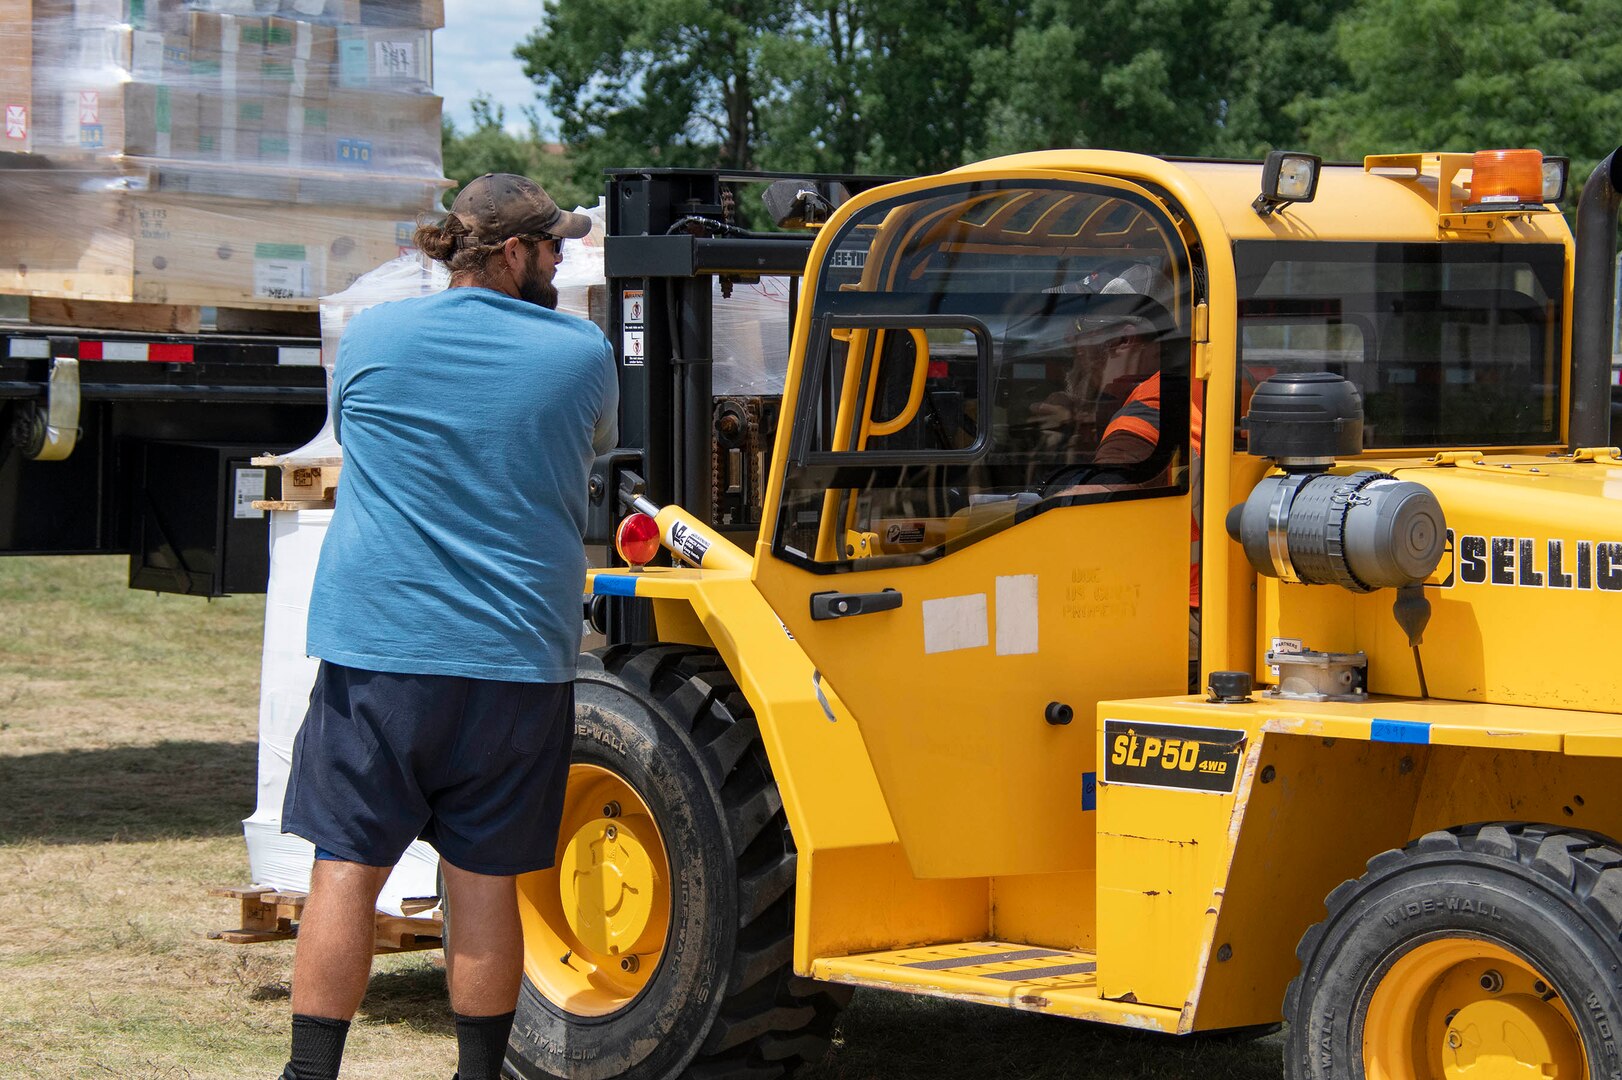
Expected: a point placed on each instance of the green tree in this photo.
(926, 108)
(1158, 76)
(813, 113)
(490, 147)
(655, 82)
(1454, 75)
(1285, 57)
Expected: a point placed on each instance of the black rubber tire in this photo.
(724, 1002)
(1553, 896)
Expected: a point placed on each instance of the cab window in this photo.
(1455, 344)
(982, 353)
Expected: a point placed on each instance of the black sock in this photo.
(318, 1048)
(481, 1044)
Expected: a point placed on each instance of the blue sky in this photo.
(474, 52)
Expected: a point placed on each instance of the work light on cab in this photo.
(1507, 180)
(1555, 172)
(1287, 177)
(637, 540)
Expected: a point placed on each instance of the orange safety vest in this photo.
(1139, 419)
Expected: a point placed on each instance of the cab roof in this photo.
(1352, 203)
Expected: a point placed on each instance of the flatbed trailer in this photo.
(119, 442)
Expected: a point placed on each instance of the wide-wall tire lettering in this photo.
(669, 724)
(1486, 946)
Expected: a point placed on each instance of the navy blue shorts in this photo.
(476, 767)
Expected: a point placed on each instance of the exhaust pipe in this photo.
(1592, 300)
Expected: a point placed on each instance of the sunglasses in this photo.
(544, 238)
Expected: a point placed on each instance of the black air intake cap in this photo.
(1305, 417)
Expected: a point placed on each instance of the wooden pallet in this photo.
(168, 318)
(270, 915)
(309, 484)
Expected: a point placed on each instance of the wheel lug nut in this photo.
(611, 832)
(1454, 1039)
(611, 809)
(629, 964)
(1491, 981)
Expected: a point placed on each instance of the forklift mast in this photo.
(672, 234)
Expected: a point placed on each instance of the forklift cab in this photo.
(972, 345)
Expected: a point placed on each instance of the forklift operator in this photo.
(1108, 412)
(1112, 356)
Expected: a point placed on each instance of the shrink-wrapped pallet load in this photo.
(238, 153)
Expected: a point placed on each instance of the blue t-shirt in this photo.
(469, 421)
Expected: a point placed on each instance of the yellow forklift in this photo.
(1180, 601)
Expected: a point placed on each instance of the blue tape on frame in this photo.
(613, 585)
(1089, 791)
(1400, 731)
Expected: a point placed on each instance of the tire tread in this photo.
(1586, 866)
(770, 1021)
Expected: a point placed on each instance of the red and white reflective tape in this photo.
(156, 352)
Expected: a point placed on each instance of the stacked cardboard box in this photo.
(242, 152)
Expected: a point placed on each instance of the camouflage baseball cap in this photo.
(500, 205)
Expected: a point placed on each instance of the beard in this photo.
(533, 288)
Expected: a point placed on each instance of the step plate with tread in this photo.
(1017, 976)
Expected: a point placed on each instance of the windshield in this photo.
(982, 353)
(1449, 344)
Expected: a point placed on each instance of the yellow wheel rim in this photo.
(595, 923)
(1467, 1009)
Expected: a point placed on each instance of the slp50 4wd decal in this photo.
(1172, 756)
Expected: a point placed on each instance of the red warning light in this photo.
(637, 540)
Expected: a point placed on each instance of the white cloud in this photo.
(473, 54)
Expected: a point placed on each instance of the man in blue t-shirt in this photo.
(446, 613)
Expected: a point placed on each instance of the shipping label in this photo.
(394, 59)
(250, 486)
(282, 272)
(354, 152)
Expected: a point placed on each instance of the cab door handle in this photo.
(840, 605)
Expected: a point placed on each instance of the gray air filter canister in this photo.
(1363, 532)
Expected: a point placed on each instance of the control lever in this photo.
(838, 605)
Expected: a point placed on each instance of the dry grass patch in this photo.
(127, 761)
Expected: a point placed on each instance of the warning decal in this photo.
(1172, 756)
(16, 121)
(904, 532)
(688, 543)
(632, 339)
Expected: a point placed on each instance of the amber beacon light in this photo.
(1504, 178)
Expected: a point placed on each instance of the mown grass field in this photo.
(127, 762)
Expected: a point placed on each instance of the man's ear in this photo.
(512, 253)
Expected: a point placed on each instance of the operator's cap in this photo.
(1138, 311)
(496, 206)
